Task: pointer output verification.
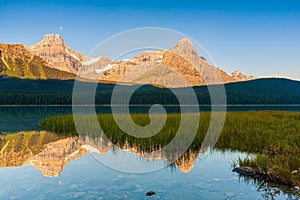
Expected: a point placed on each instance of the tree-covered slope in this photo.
(260, 91)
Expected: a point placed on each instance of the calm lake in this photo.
(78, 174)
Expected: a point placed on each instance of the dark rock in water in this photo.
(150, 193)
(246, 171)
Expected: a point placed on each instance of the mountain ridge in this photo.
(17, 61)
(179, 66)
(198, 72)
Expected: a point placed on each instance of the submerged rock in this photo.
(150, 193)
(244, 170)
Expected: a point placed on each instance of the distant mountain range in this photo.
(52, 58)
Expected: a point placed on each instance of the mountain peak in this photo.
(238, 76)
(185, 48)
(58, 54)
(53, 39)
(186, 42)
(52, 35)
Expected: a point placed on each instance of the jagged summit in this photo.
(185, 48)
(53, 49)
(238, 76)
(185, 42)
(53, 36)
(52, 39)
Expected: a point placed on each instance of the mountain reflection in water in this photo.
(51, 153)
(85, 178)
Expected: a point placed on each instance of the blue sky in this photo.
(255, 37)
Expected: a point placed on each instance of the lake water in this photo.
(24, 118)
(84, 177)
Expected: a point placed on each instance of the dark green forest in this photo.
(15, 91)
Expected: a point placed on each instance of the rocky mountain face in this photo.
(209, 73)
(90, 67)
(17, 61)
(58, 54)
(162, 68)
(238, 76)
(179, 66)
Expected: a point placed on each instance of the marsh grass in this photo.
(272, 135)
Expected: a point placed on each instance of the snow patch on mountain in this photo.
(91, 61)
(72, 55)
(107, 67)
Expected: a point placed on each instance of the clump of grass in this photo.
(277, 167)
(62, 125)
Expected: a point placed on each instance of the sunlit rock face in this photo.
(209, 73)
(57, 155)
(238, 76)
(168, 68)
(93, 67)
(18, 61)
(58, 54)
(180, 66)
(164, 68)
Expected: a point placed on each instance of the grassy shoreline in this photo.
(274, 137)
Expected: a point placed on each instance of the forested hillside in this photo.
(45, 92)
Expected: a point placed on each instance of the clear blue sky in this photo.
(255, 37)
